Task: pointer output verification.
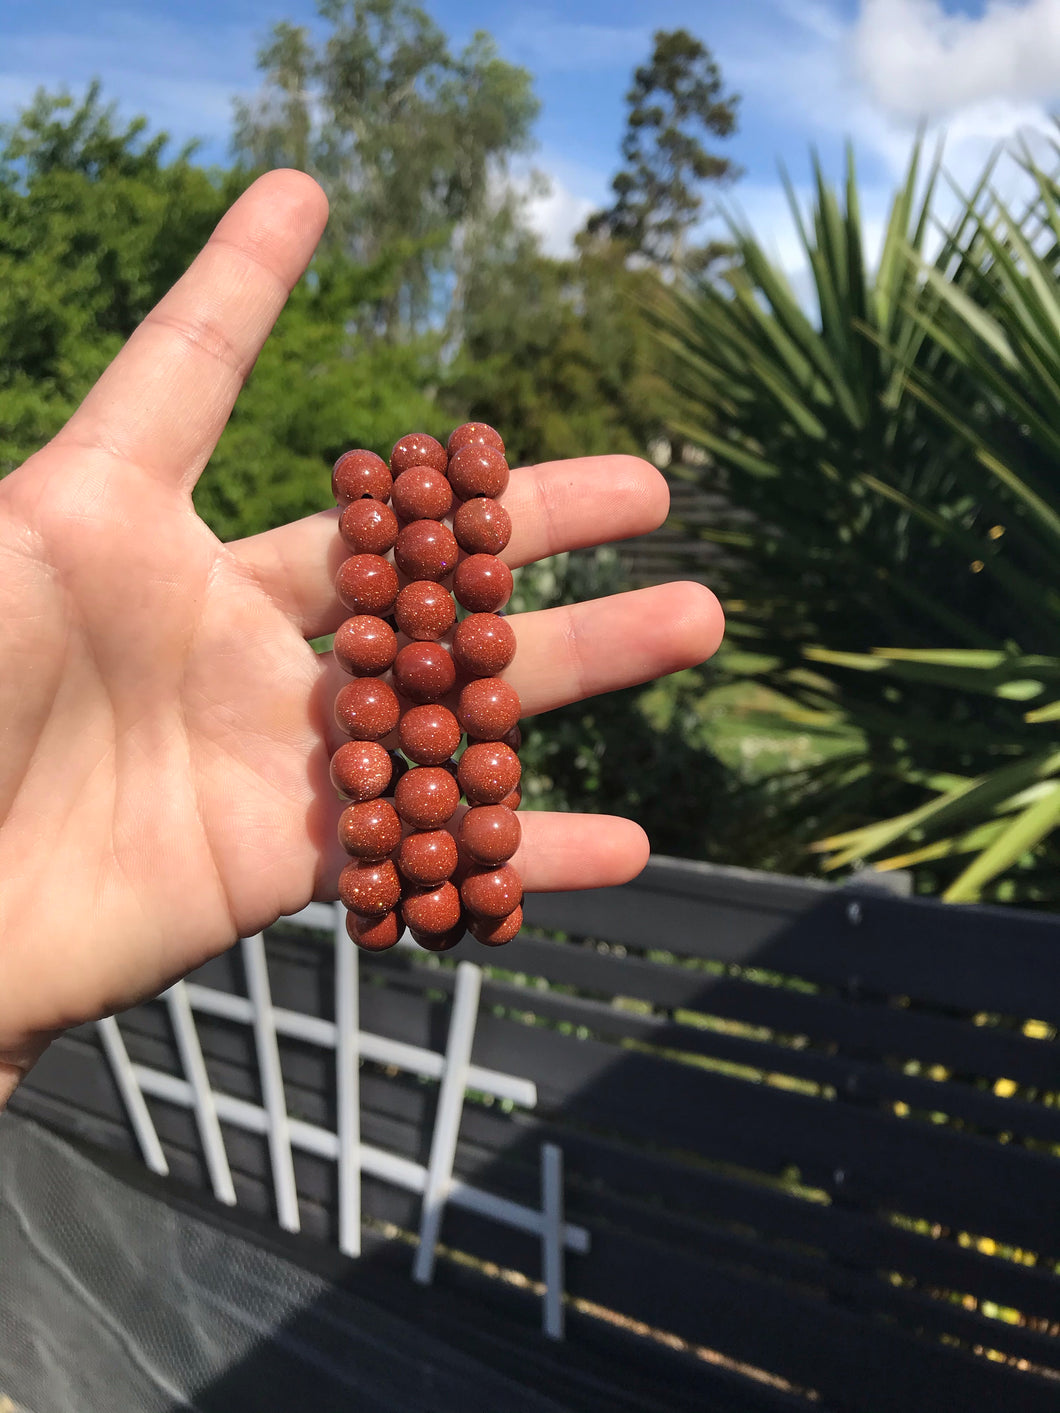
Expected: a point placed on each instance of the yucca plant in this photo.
(891, 462)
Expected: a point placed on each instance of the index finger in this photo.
(164, 401)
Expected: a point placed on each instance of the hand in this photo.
(165, 728)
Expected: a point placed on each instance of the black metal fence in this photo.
(813, 1133)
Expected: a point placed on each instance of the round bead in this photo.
(375, 934)
(482, 526)
(426, 797)
(513, 801)
(489, 834)
(494, 932)
(369, 527)
(488, 771)
(367, 583)
(370, 889)
(424, 610)
(361, 770)
(429, 734)
(422, 493)
(478, 471)
(488, 708)
(483, 644)
(482, 583)
(426, 550)
(371, 830)
(431, 910)
(428, 858)
(418, 449)
(360, 473)
(474, 434)
(367, 709)
(366, 645)
(440, 941)
(492, 892)
(424, 672)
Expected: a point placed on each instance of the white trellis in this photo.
(453, 1068)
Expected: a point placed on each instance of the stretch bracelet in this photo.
(419, 681)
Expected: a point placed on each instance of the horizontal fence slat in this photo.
(589, 1164)
(1001, 1191)
(862, 1365)
(902, 947)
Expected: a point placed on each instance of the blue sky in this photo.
(810, 72)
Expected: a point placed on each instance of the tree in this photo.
(95, 225)
(407, 138)
(658, 198)
(556, 351)
(891, 461)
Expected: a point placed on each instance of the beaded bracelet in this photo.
(407, 869)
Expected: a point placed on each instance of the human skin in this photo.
(166, 727)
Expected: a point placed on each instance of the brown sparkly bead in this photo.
(366, 645)
(489, 834)
(431, 910)
(370, 889)
(422, 493)
(361, 770)
(372, 830)
(428, 858)
(474, 434)
(513, 801)
(440, 941)
(482, 583)
(367, 583)
(424, 672)
(360, 473)
(429, 734)
(375, 934)
(424, 610)
(478, 471)
(369, 527)
(418, 449)
(494, 932)
(426, 797)
(426, 550)
(367, 709)
(482, 526)
(488, 771)
(492, 892)
(483, 644)
(488, 708)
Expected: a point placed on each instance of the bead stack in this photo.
(406, 867)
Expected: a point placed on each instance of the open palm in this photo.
(165, 727)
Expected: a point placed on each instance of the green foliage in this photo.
(557, 352)
(658, 198)
(890, 464)
(94, 227)
(314, 392)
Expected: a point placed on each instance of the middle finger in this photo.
(581, 650)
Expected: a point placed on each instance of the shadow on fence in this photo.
(812, 1133)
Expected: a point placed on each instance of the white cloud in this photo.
(556, 215)
(918, 61)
